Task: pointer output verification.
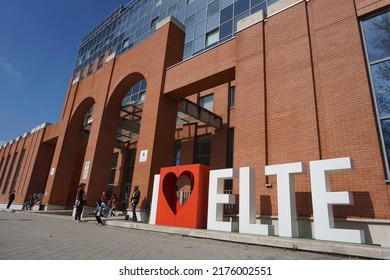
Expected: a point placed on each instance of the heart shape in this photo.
(177, 190)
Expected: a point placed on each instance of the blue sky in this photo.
(38, 42)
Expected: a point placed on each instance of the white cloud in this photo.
(8, 69)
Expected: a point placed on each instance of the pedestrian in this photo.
(80, 200)
(101, 209)
(134, 201)
(112, 205)
(28, 203)
(98, 213)
(11, 198)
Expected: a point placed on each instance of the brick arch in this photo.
(120, 90)
(78, 115)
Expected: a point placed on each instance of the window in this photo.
(231, 148)
(157, 3)
(17, 171)
(232, 97)
(125, 43)
(212, 37)
(9, 173)
(377, 44)
(136, 94)
(203, 149)
(130, 166)
(3, 173)
(190, 1)
(176, 153)
(111, 179)
(91, 66)
(100, 62)
(241, 6)
(153, 23)
(213, 7)
(88, 116)
(82, 73)
(1, 163)
(207, 102)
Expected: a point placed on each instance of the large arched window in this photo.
(136, 94)
(376, 31)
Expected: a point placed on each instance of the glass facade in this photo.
(376, 32)
(207, 22)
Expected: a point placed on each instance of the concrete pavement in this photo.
(38, 236)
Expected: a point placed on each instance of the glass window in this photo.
(213, 22)
(181, 4)
(16, 176)
(212, 37)
(172, 10)
(4, 171)
(200, 29)
(231, 148)
(226, 3)
(11, 168)
(376, 32)
(91, 66)
(256, 2)
(203, 149)
(226, 29)
(377, 36)
(88, 116)
(139, 20)
(227, 14)
(202, 4)
(188, 49)
(136, 94)
(191, 9)
(213, 7)
(259, 7)
(189, 34)
(111, 179)
(199, 44)
(207, 102)
(153, 23)
(176, 153)
(190, 21)
(125, 43)
(201, 15)
(380, 74)
(82, 73)
(180, 16)
(232, 97)
(241, 6)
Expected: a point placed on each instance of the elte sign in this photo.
(204, 209)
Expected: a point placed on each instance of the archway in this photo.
(70, 165)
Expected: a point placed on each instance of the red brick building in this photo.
(294, 84)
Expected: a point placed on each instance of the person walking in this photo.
(134, 201)
(80, 200)
(11, 198)
(112, 206)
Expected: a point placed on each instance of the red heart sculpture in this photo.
(169, 210)
(169, 188)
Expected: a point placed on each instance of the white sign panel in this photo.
(143, 156)
(86, 169)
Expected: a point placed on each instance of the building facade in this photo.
(228, 84)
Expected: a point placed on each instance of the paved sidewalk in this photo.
(26, 236)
